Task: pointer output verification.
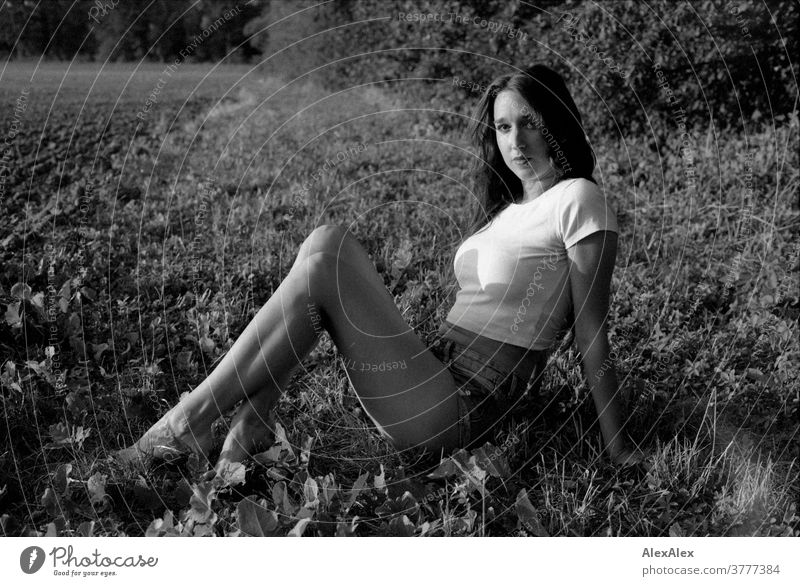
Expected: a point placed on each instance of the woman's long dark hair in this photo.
(494, 183)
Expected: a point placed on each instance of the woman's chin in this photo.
(526, 175)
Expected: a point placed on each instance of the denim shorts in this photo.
(488, 388)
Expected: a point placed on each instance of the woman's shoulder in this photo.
(579, 188)
(583, 209)
(579, 193)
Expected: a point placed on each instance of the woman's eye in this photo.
(531, 124)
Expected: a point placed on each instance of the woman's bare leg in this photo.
(404, 388)
(251, 429)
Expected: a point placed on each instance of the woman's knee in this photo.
(332, 247)
(328, 238)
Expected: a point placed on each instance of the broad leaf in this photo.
(470, 471)
(280, 496)
(12, 315)
(280, 453)
(358, 486)
(38, 302)
(401, 527)
(200, 511)
(306, 513)
(380, 481)
(207, 345)
(233, 474)
(63, 434)
(61, 479)
(493, 460)
(329, 490)
(300, 528)
(311, 493)
(343, 529)
(448, 467)
(528, 516)
(255, 519)
(50, 502)
(96, 485)
(64, 296)
(21, 291)
(675, 530)
(405, 504)
(164, 527)
(305, 451)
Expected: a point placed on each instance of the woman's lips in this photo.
(520, 160)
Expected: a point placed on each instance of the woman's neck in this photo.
(533, 188)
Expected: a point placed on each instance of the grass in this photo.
(156, 270)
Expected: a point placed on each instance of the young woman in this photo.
(539, 260)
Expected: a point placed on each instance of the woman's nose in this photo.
(516, 140)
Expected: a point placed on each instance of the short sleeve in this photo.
(582, 211)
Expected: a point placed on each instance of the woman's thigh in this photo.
(409, 394)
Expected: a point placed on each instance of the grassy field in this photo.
(140, 237)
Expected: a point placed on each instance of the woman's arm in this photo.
(591, 262)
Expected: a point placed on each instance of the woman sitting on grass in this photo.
(540, 258)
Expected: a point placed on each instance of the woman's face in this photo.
(518, 129)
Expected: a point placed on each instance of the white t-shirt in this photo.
(513, 273)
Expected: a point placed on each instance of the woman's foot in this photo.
(169, 439)
(247, 436)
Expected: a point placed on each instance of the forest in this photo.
(162, 161)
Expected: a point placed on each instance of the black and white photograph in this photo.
(395, 268)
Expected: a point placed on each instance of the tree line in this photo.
(128, 30)
(707, 61)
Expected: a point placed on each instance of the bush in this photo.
(724, 64)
